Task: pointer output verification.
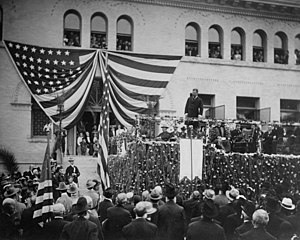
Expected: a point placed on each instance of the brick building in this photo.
(238, 53)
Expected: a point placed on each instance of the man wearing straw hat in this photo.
(73, 171)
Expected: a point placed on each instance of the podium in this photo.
(191, 158)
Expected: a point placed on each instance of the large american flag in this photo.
(56, 76)
(44, 199)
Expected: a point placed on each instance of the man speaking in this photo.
(193, 109)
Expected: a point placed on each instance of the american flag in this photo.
(55, 75)
(44, 199)
(104, 128)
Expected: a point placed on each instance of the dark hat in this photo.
(71, 160)
(11, 191)
(155, 196)
(209, 209)
(170, 190)
(108, 193)
(81, 205)
(62, 186)
(272, 204)
(248, 208)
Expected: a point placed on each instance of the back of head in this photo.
(121, 198)
(108, 193)
(89, 201)
(58, 209)
(9, 206)
(195, 195)
(260, 218)
(140, 209)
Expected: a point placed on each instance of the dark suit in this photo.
(53, 229)
(73, 169)
(80, 229)
(117, 218)
(31, 230)
(171, 221)
(245, 227)
(130, 208)
(205, 229)
(194, 107)
(295, 221)
(231, 223)
(140, 229)
(8, 228)
(102, 209)
(192, 208)
(224, 212)
(257, 234)
(273, 226)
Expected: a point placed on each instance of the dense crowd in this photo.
(98, 41)
(223, 212)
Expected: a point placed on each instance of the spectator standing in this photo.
(8, 228)
(92, 193)
(247, 210)
(192, 206)
(171, 220)
(72, 170)
(205, 228)
(105, 204)
(64, 199)
(295, 219)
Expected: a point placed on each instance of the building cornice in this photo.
(263, 9)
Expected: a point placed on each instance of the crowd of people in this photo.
(161, 213)
(123, 44)
(214, 51)
(72, 38)
(98, 41)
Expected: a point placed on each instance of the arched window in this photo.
(281, 53)
(72, 29)
(237, 44)
(297, 49)
(192, 31)
(259, 46)
(98, 31)
(215, 42)
(124, 33)
(1, 23)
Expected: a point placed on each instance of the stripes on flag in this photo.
(44, 200)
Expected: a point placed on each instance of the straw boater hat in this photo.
(62, 187)
(71, 160)
(90, 184)
(287, 203)
(155, 196)
(232, 194)
(11, 191)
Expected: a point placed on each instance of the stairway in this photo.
(87, 166)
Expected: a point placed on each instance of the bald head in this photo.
(58, 209)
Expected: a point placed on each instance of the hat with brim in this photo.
(72, 189)
(90, 184)
(209, 209)
(71, 160)
(81, 205)
(232, 194)
(149, 208)
(287, 203)
(11, 191)
(170, 190)
(62, 187)
(155, 196)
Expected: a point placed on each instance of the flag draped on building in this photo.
(54, 76)
(44, 198)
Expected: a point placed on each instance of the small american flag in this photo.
(53, 75)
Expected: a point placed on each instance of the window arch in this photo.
(192, 35)
(1, 23)
(297, 49)
(72, 28)
(124, 33)
(259, 46)
(237, 44)
(215, 42)
(281, 53)
(99, 31)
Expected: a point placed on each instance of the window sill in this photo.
(38, 139)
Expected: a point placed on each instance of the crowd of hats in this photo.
(147, 165)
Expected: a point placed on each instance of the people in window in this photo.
(98, 41)
(123, 44)
(258, 56)
(215, 52)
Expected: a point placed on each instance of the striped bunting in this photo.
(135, 79)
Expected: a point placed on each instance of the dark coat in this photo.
(8, 228)
(73, 169)
(140, 229)
(257, 234)
(194, 107)
(192, 208)
(273, 226)
(117, 218)
(102, 209)
(205, 229)
(231, 223)
(31, 229)
(53, 229)
(224, 212)
(295, 221)
(80, 229)
(130, 208)
(171, 221)
(245, 227)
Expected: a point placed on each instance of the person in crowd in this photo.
(221, 199)
(72, 170)
(164, 135)
(79, 141)
(233, 221)
(73, 193)
(70, 181)
(219, 135)
(236, 134)
(272, 206)
(59, 174)
(129, 204)
(294, 219)
(53, 228)
(155, 198)
(14, 193)
(105, 204)
(84, 147)
(92, 193)
(260, 221)
(268, 140)
(117, 218)
(192, 206)
(287, 208)
(171, 220)
(193, 109)
(96, 148)
(140, 228)
(9, 230)
(64, 199)
(254, 137)
(81, 228)
(89, 144)
(205, 228)
(247, 210)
